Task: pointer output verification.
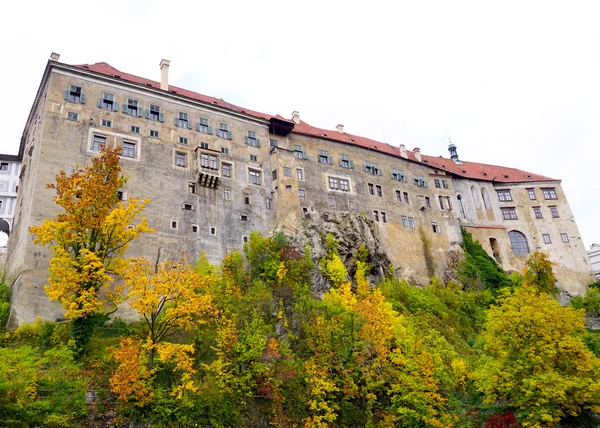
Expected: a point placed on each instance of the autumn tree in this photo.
(535, 357)
(88, 239)
(170, 297)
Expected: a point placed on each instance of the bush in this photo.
(478, 268)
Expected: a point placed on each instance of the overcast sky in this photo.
(511, 83)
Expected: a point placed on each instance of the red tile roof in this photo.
(472, 170)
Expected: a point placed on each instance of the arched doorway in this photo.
(495, 249)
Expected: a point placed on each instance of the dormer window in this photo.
(75, 94)
(251, 139)
(107, 102)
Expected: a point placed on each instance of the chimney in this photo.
(454, 154)
(296, 117)
(417, 153)
(54, 56)
(403, 153)
(340, 128)
(164, 74)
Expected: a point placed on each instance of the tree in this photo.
(538, 273)
(535, 357)
(88, 239)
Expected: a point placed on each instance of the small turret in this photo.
(454, 154)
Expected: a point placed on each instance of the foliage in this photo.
(5, 290)
(88, 239)
(536, 359)
(538, 274)
(479, 268)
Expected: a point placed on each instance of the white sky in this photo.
(514, 83)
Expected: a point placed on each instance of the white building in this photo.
(10, 168)
(595, 260)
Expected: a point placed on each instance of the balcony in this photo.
(208, 166)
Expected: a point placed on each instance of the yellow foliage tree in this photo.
(170, 296)
(88, 240)
(131, 381)
(535, 357)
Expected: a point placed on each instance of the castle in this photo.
(215, 172)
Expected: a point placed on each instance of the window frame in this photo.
(504, 195)
(549, 193)
(509, 213)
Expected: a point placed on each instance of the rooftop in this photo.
(471, 170)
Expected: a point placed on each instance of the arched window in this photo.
(518, 242)
(461, 208)
(486, 198)
(475, 198)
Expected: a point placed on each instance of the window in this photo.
(194, 228)
(251, 139)
(106, 123)
(121, 196)
(398, 195)
(269, 203)
(153, 113)
(298, 153)
(324, 157)
(225, 150)
(107, 102)
(538, 212)
(184, 141)
(226, 169)
(134, 129)
(224, 131)
(304, 212)
(181, 159)
(461, 207)
(441, 201)
(383, 217)
(188, 207)
(427, 202)
(547, 239)
(564, 237)
(274, 174)
(74, 94)
(245, 239)
(202, 145)
(344, 185)
(411, 222)
(339, 184)
(272, 143)
(254, 176)
(213, 162)
(372, 168)
(154, 134)
(4, 166)
(509, 213)
(418, 180)
(287, 171)
(504, 195)
(248, 199)
(371, 189)
(98, 143)
(554, 212)
(227, 194)
(72, 116)
(549, 193)
(173, 225)
(182, 121)
(332, 202)
(288, 187)
(244, 218)
(191, 187)
(436, 228)
(213, 230)
(254, 158)
(299, 174)
(436, 181)
(406, 198)
(398, 175)
(445, 184)
(128, 149)
(375, 215)
(351, 205)
(345, 162)
(132, 108)
(379, 191)
(531, 194)
(301, 193)
(203, 127)
(518, 242)
(404, 221)
(449, 203)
